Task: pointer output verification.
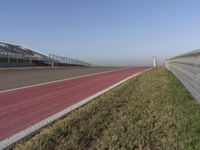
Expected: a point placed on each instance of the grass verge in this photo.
(150, 111)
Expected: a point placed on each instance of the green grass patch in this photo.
(150, 111)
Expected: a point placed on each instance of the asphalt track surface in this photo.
(22, 108)
(20, 77)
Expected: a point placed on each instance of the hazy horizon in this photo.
(115, 32)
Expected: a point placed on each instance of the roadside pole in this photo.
(154, 61)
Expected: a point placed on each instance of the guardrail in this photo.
(186, 68)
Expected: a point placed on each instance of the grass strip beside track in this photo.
(150, 111)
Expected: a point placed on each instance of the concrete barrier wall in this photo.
(186, 68)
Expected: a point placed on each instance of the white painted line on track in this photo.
(55, 81)
(23, 133)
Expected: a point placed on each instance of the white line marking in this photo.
(23, 133)
(45, 83)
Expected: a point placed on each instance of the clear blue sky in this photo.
(104, 32)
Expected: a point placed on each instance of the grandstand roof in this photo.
(17, 49)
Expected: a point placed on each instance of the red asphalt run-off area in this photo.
(24, 107)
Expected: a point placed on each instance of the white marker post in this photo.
(154, 61)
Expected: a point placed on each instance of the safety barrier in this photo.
(186, 68)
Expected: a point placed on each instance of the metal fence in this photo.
(67, 60)
(186, 68)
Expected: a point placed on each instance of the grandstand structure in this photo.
(12, 55)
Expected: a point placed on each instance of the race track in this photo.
(22, 108)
